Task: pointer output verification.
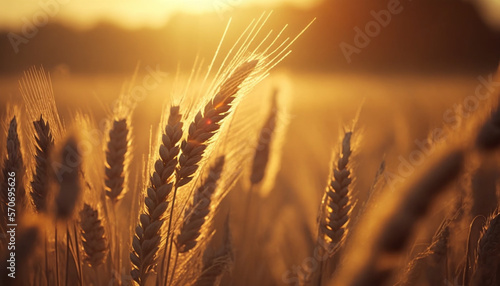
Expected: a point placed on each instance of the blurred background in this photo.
(113, 36)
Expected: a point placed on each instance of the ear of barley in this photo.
(215, 264)
(116, 153)
(13, 167)
(147, 238)
(44, 147)
(200, 208)
(488, 253)
(208, 121)
(93, 238)
(68, 176)
(261, 155)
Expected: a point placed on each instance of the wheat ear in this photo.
(200, 208)
(215, 264)
(261, 155)
(13, 167)
(93, 238)
(147, 238)
(44, 147)
(115, 159)
(336, 206)
(208, 121)
(488, 253)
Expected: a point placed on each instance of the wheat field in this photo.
(241, 173)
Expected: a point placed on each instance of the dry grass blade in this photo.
(208, 122)
(69, 180)
(13, 167)
(488, 254)
(196, 213)
(261, 155)
(115, 159)
(93, 238)
(147, 238)
(40, 183)
(336, 205)
(215, 264)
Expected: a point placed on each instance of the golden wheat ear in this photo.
(44, 148)
(13, 172)
(147, 239)
(208, 121)
(194, 218)
(94, 240)
(116, 155)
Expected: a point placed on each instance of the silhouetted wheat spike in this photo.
(208, 121)
(215, 264)
(93, 239)
(115, 159)
(44, 146)
(196, 213)
(429, 261)
(13, 168)
(488, 254)
(261, 155)
(336, 201)
(69, 180)
(146, 241)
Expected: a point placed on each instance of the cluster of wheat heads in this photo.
(70, 190)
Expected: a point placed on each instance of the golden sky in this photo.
(126, 13)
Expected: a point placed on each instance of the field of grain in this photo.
(252, 175)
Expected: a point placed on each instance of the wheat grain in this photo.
(147, 238)
(200, 208)
(44, 147)
(116, 153)
(208, 121)
(93, 238)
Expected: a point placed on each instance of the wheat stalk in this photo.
(200, 208)
(44, 146)
(93, 238)
(116, 154)
(208, 121)
(147, 238)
